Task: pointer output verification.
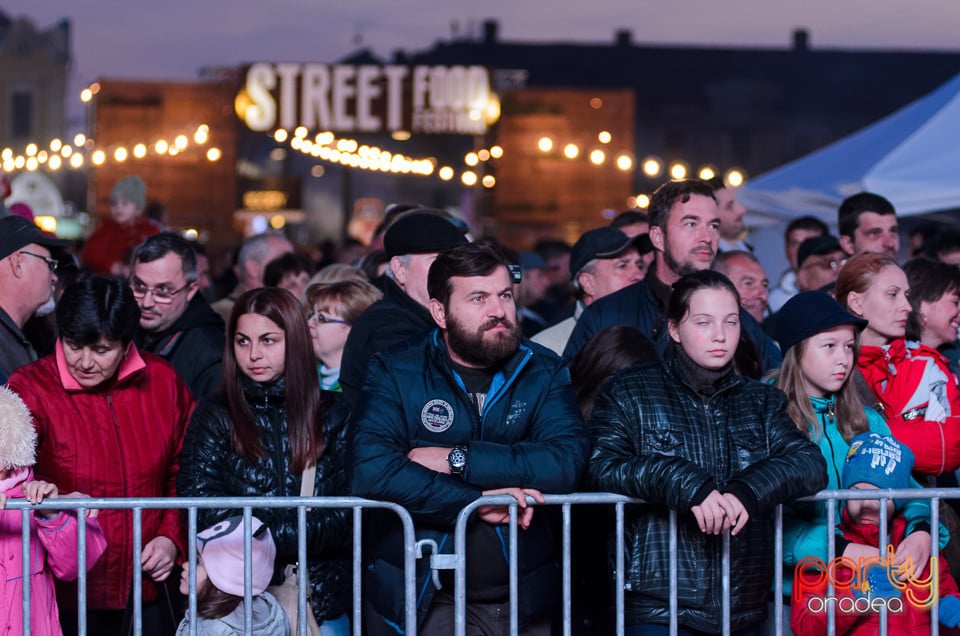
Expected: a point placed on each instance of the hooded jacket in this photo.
(193, 345)
(269, 619)
(529, 434)
(656, 438)
(920, 400)
(211, 467)
(53, 553)
(119, 439)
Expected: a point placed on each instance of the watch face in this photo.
(457, 459)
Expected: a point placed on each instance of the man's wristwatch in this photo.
(457, 460)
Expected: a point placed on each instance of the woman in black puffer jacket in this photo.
(255, 438)
(692, 436)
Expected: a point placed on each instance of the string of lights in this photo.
(350, 153)
(346, 152)
(59, 154)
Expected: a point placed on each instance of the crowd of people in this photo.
(649, 358)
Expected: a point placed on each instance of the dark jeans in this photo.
(483, 619)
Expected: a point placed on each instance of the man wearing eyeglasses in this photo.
(176, 322)
(819, 260)
(27, 275)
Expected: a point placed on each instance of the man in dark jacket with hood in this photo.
(411, 244)
(471, 409)
(175, 321)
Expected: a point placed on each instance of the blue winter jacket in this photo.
(530, 435)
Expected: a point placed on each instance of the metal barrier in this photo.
(458, 563)
(246, 504)
(457, 560)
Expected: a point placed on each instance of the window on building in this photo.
(21, 115)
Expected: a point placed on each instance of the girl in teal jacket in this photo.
(819, 341)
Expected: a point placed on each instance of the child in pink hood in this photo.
(53, 533)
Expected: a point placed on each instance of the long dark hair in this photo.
(611, 350)
(305, 404)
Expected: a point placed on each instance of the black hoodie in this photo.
(193, 345)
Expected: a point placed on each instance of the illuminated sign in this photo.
(367, 98)
(264, 200)
(269, 194)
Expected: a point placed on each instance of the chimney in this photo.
(623, 37)
(801, 40)
(490, 28)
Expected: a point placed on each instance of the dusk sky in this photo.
(120, 39)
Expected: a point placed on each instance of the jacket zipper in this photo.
(277, 446)
(502, 389)
(123, 462)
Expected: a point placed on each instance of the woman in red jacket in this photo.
(912, 382)
(110, 422)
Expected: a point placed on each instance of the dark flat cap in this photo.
(421, 233)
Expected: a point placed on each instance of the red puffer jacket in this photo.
(120, 439)
(920, 400)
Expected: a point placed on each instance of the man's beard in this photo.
(46, 308)
(473, 349)
(681, 268)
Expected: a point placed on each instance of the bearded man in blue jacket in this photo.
(472, 409)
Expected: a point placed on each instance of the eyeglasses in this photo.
(161, 295)
(829, 263)
(52, 263)
(320, 319)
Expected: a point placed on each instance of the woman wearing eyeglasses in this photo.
(333, 308)
(110, 421)
(261, 434)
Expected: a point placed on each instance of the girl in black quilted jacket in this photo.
(255, 438)
(689, 435)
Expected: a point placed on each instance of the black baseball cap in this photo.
(422, 233)
(17, 232)
(817, 246)
(604, 242)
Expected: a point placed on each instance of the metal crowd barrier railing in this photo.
(831, 497)
(246, 505)
(457, 560)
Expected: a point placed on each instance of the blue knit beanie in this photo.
(879, 460)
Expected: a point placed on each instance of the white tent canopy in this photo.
(911, 157)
